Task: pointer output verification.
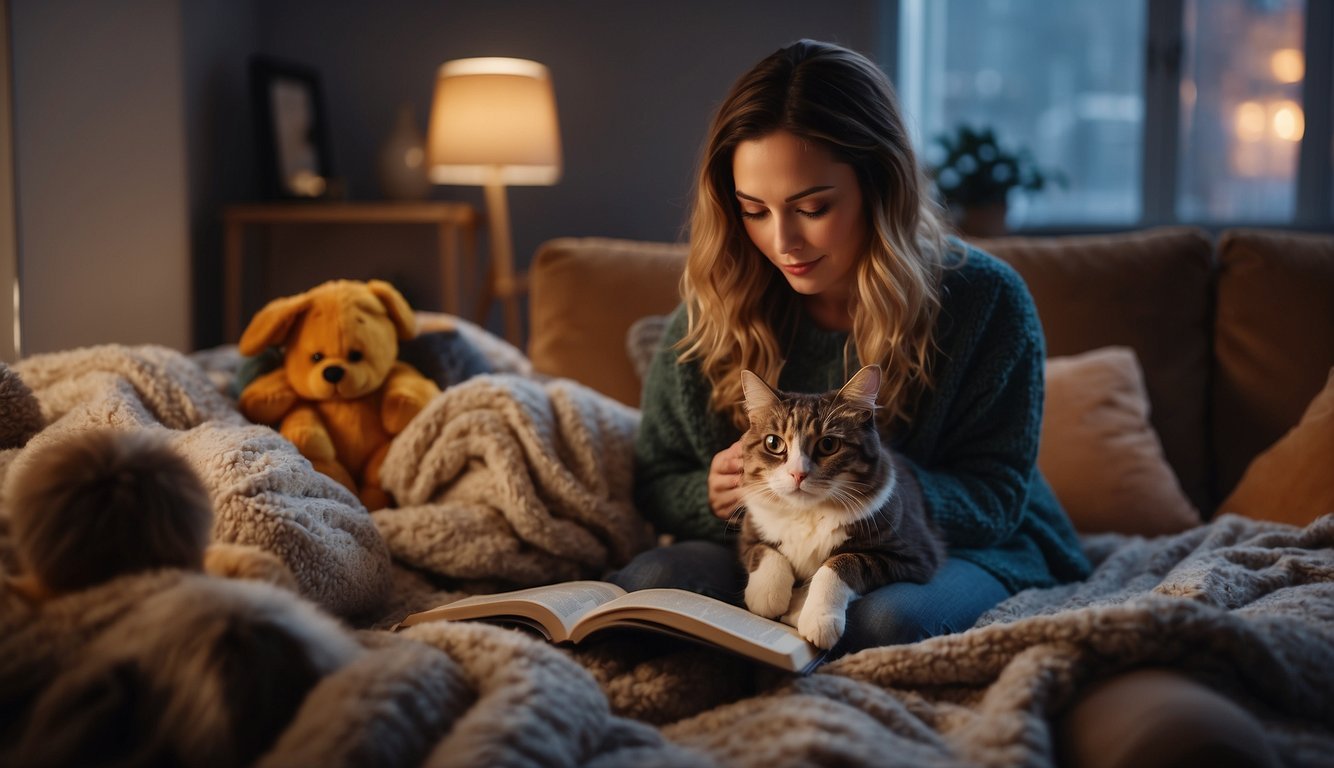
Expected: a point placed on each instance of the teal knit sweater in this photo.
(972, 443)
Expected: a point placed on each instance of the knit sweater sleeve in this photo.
(678, 437)
(975, 448)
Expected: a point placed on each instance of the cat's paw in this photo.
(795, 605)
(769, 588)
(821, 627)
(825, 613)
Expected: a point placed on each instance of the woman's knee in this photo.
(698, 566)
(873, 623)
(648, 570)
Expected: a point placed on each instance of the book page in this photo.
(558, 606)
(706, 618)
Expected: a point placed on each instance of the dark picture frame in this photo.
(291, 130)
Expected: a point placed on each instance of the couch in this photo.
(1228, 341)
(1234, 337)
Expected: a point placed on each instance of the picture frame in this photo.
(291, 130)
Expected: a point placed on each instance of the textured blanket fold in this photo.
(1256, 626)
(264, 492)
(507, 478)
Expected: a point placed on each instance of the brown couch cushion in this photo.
(1291, 482)
(1099, 452)
(1146, 290)
(1273, 340)
(583, 298)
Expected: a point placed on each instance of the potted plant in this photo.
(976, 175)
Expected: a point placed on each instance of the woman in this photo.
(815, 249)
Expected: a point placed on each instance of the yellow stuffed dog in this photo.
(341, 393)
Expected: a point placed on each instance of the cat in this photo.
(823, 522)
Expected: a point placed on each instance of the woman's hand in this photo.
(725, 481)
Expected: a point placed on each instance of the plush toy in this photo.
(341, 394)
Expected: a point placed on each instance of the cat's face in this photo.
(803, 451)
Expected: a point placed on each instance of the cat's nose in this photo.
(797, 477)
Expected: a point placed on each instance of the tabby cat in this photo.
(823, 524)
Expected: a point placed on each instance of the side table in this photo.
(456, 223)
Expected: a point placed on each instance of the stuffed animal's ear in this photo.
(271, 324)
(397, 307)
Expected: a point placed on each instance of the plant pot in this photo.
(983, 220)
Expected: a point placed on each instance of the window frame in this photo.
(1163, 50)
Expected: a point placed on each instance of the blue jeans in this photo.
(898, 613)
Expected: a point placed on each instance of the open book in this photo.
(570, 612)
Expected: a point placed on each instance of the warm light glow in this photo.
(494, 120)
(307, 184)
(1288, 65)
(1250, 125)
(1288, 121)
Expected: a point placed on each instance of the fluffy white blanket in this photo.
(504, 477)
(509, 479)
(264, 492)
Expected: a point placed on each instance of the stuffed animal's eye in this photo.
(355, 356)
(318, 356)
(774, 444)
(828, 445)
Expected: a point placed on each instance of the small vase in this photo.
(402, 161)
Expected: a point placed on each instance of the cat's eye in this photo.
(774, 444)
(828, 445)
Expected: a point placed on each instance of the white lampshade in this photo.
(494, 121)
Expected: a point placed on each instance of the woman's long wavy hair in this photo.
(736, 301)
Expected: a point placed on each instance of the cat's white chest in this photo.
(805, 539)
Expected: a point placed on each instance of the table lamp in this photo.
(493, 123)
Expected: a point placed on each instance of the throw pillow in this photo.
(1101, 454)
(1291, 481)
(642, 340)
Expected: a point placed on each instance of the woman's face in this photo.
(803, 210)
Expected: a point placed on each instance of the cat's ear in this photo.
(759, 396)
(862, 389)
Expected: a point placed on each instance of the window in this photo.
(1242, 120)
(1157, 111)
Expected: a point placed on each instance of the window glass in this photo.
(1061, 80)
(1241, 110)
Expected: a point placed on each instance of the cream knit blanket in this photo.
(264, 492)
(510, 479)
(1247, 608)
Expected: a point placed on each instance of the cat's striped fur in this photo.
(825, 519)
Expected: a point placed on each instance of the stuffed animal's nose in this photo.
(334, 373)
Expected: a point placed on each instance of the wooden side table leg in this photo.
(234, 240)
(449, 269)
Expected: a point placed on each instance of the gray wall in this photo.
(133, 129)
(100, 173)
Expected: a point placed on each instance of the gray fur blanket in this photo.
(528, 474)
